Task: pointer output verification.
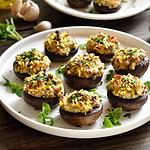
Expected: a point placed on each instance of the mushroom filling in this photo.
(109, 3)
(102, 43)
(43, 85)
(80, 101)
(126, 86)
(60, 43)
(31, 62)
(85, 66)
(128, 58)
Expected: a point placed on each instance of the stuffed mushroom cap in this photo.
(31, 62)
(85, 66)
(60, 43)
(128, 58)
(43, 85)
(80, 101)
(111, 4)
(102, 43)
(126, 86)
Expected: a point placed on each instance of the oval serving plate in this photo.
(128, 9)
(16, 106)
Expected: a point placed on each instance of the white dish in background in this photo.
(128, 9)
(28, 115)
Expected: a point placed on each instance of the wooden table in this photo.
(16, 136)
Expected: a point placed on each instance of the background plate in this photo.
(131, 8)
(27, 115)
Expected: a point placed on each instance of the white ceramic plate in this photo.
(28, 115)
(131, 8)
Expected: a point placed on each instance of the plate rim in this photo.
(76, 13)
(71, 132)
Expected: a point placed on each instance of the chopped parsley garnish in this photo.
(14, 87)
(148, 86)
(112, 118)
(43, 115)
(99, 40)
(82, 46)
(60, 70)
(110, 75)
(8, 31)
(132, 51)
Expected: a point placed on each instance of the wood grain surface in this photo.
(16, 136)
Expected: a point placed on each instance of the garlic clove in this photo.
(29, 11)
(43, 25)
(15, 7)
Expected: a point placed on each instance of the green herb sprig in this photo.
(110, 75)
(82, 46)
(112, 118)
(14, 87)
(60, 70)
(8, 31)
(148, 86)
(43, 115)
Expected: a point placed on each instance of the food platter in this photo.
(24, 113)
(131, 8)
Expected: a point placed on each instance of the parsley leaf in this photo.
(60, 70)
(148, 86)
(43, 115)
(82, 46)
(8, 31)
(112, 118)
(14, 87)
(110, 75)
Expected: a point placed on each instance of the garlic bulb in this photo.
(43, 25)
(15, 7)
(29, 11)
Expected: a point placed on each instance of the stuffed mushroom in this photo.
(84, 71)
(130, 60)
(127, 91)
(29, 63)
(79, 3)
(107, 6)
(80, 107)
(102, 45)
(60, 46)
(42, 87)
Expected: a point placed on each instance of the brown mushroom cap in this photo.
(58, 58)
(105, 9)
(80, 119)
(79, 3)
(78, 83)
(139, 69)
(127, 104)
(36, 102)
